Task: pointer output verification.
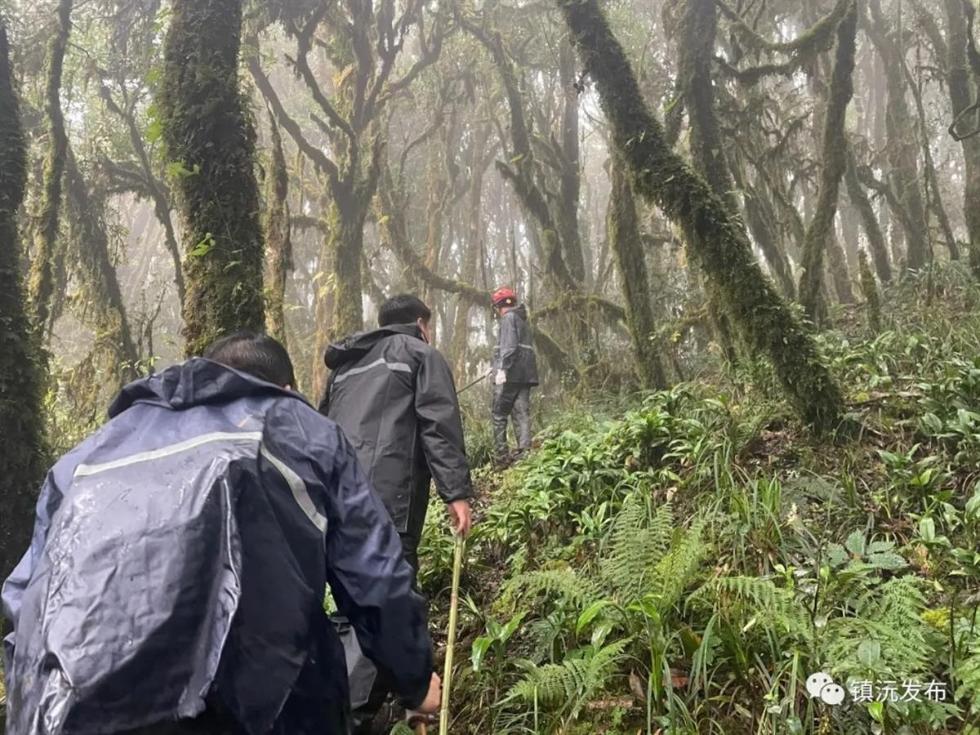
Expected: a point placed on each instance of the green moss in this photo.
(869, 288)
(211, 141)
(42, 281)
(715, 235)
(834, 155)
(279, 255)
(21, 451)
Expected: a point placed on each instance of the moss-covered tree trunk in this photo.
(715, 235)
(699, 27)
(278, 254)
(869, 220)
(97, 274)
(962, 94)
(42, 278)
(623, 231)
(902, 150)
(834, 155)
(20, 375)
(210, 140)
(570, 173)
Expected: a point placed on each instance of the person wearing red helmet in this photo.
(515, 372)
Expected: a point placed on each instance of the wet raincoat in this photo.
(514, 353)
(181, 553)
(394, 397)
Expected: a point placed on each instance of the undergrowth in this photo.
(684, 565)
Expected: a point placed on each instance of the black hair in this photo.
(256, 354)
(403, 309)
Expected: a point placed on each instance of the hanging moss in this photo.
(716, 236)
(869, 288)
(801, 51)
(623, 231)
(834, 155)
(210, 143)
(103, 303)
(21, 452)
(42, 281)
(278, 254)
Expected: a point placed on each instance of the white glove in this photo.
(501, 377)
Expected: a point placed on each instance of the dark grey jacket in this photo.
(181, 553)
(394, 397)
(514, 353)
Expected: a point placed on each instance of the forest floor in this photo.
(686, 561)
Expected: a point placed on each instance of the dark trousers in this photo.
(364, 716)
(511, 401)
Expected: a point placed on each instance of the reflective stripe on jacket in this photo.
(182, 552)
(395, 399)
(514, 353)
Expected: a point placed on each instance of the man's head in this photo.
(503, 299)
(256, 354)
(406, 309)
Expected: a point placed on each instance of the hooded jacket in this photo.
(182, 552)
(395, 399)
(514, 353)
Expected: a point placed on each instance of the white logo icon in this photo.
(822, 686)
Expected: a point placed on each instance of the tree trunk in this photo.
(902, 149)
(42, 264)
(714, 233)
(209, 136)
(962, 95)
(820, 232)
(570, 178)
(872, 228)
(21, 453)
(97, 274)
(278, 254)
(623, 231)
(760, 218)
(347, 244)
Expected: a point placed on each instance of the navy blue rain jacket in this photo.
(181, 553)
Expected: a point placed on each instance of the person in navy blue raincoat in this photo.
(176, 577)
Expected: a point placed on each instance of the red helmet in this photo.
(503, 297)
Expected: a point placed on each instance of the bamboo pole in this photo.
(447, 676)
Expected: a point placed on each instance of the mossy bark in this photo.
(570, 177)
(869, 220)
(699, 27)
(820, 230)
(840, 272)
(715, 235)
(42, 278)
(962, 94)
(278, 253)
(97, 274)
(210, 141)
(623, 231)
(901, 150)
(21, 452)
(869, 288)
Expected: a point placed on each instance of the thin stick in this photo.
(447, 676)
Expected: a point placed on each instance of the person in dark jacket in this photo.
(515, 371)
(393, 395)
(176, 576)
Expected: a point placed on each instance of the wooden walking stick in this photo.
(447, 675)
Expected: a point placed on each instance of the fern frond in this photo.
(562, 584)
(573, 682)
